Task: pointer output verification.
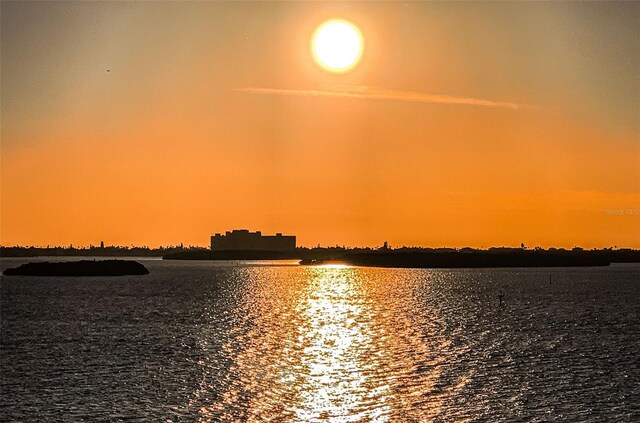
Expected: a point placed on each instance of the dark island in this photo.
(79, 268)
(476, 259)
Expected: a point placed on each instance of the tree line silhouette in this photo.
(359, 255)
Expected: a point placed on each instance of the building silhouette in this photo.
(242, 239)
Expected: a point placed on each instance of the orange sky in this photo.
(214, 116)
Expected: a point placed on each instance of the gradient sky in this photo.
(464, 124)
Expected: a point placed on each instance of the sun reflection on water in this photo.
(336, 336)
(323, 343)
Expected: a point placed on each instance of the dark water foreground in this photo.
(217, 342)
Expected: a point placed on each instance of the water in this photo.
(224, 342)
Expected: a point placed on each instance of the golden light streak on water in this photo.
(337, 336)
(328, 344)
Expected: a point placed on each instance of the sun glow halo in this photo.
(337, 45)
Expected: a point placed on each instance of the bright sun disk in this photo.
(337, 45)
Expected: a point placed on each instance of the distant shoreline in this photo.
(383, 257)
(455, 260)
(425, 258)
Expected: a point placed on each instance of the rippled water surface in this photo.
(196, 341)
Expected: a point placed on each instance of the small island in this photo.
(79, 268)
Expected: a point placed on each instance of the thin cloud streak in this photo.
(369, 93)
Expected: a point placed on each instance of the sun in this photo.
(337, 45)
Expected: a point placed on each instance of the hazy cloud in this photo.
(372, 93)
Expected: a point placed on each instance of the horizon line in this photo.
(527, 247)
